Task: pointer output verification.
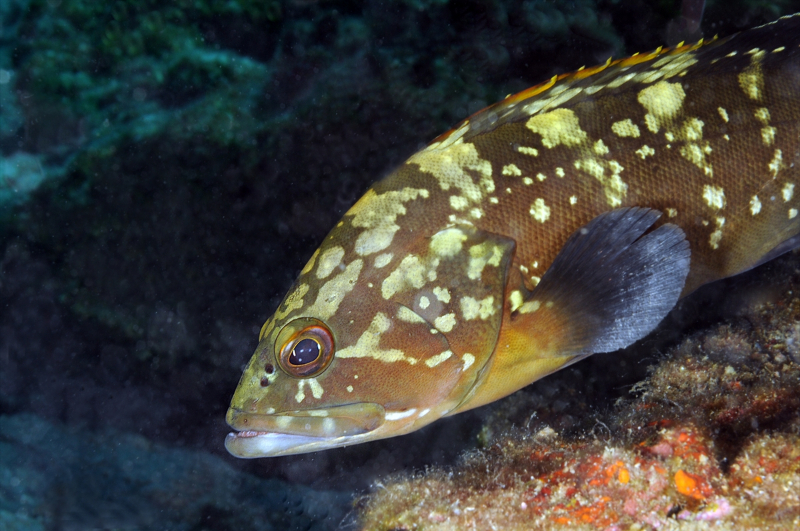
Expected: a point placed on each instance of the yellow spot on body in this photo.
(476, 213)
(349, 388)
(626, 128)
(383, 260)
(787, 192)
(751, 79)
(458, 202)
(590, 166)
(310, 264)
(330, 295)
(481, 255)
(439, 358)
(494, 200)
(541, 176)
(530, 307)
(442, 294)
(671, 212)
(511, 169)
(615, 187)
(525, 150)
(472, 308)
(367, 344)
(424, 302)
(540, 211)
(301, 394)
(294, 301)
(663, 102)
(696, 154)
(377, 214)
(715, 238)
(792, 213)
(714, 196)
(560, 172)
(468, 360)
(776, 163)
(573, 200)
(723, 113)
(447, 242)
(329, 260)
(515, 300)
(755, 205)
(600, 148)
(768, 135)
(535, 280)
(445, 323)
(762, 115)
(693, 129)
(448, 166)
(410, 273)
(527, 180)
(779, 49)
(645, 151)
(558, 127)
(408, 316)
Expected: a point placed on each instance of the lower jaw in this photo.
(252, 444)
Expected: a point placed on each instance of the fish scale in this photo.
(563, 221)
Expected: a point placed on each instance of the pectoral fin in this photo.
(612, 282)
(610, 286)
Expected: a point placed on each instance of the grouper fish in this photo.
(563, 221)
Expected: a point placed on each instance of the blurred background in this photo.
(166, 169)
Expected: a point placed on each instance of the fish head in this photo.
(361, 348)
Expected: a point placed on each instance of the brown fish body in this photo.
(433, 290)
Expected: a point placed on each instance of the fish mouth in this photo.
(301, 431)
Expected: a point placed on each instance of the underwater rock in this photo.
(20, 175)
(53, 477)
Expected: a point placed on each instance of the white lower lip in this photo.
(250, 444)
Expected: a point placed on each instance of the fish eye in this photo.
(304, 352)
(304, 347)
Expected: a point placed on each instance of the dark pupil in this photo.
(304, 352)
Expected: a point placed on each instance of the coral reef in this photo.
(543, 482)
(711, 440)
